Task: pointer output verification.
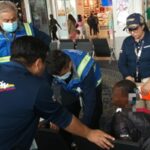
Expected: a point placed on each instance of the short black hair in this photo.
(126, 87)
(79, 18)
(51, 15)
(27, 49)
(56, 61)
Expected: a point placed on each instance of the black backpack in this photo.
(123, 127)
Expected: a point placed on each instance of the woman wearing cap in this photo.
(134, 59)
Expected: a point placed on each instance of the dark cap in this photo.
(134, 20)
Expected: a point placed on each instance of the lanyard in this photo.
(138, 52)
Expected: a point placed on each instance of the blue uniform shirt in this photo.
(87, 81)
(23, 99)
(127, 59)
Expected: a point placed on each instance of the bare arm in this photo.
(130, 78)
(145, 88)
(59, 25)
(98, 137)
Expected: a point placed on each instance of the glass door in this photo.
(38, 9)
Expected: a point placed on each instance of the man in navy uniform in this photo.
(25, 96)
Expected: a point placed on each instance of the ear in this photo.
(35, 68)
(37, 63)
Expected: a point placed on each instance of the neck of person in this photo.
(140, 38)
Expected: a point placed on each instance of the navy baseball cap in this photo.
(134, 20)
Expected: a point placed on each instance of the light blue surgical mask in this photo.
(9, 26)
(63, 77)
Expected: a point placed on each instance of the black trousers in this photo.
(54, 33)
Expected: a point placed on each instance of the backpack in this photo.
(123, 128)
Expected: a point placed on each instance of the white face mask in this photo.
(9, 26)
(63, 77)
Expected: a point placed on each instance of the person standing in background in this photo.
(92, 22)
(96, 25)
(53, 27)
(85, 28)
(71, 25)
(134, 57)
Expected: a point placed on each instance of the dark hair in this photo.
(126, 86)
(70, 17)
(56, 61)
(79, 18)
(27, 49)
(51, 15)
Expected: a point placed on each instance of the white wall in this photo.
(49, 7)
(79, 6)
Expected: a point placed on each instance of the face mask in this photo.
(63, 77)
(9, 27)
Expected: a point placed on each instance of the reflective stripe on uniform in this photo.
(28, 29)
(83, 64)
(99, 81)
(4, 59)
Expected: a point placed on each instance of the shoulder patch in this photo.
(6, 86)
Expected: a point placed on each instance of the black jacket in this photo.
(132, 126)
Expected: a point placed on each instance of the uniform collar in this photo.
(146, 35)
(17, 65)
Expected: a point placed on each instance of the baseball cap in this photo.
(134, 20)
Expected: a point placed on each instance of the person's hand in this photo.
(101, 139)
(130, 78)
(50, 125)
(53, 126)
(42, 124)
(145, 88)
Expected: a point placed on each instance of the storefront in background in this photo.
(111, 13)
(103, 9)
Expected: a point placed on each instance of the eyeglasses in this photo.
(129, 30)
